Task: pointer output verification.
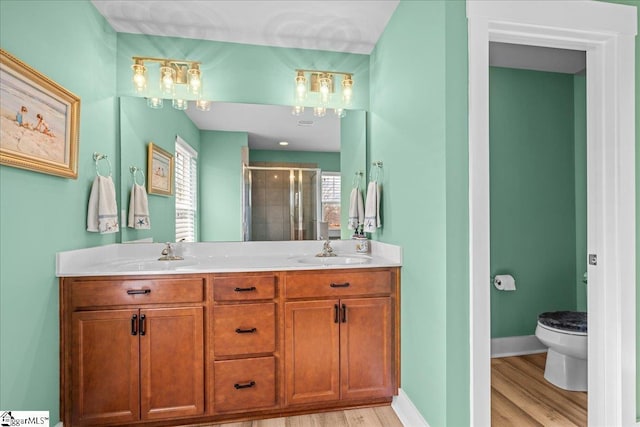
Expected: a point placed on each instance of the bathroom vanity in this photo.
(217, 339)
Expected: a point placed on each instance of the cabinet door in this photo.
(365, 348)
(312, 351)
(171, 362)
(104, 355)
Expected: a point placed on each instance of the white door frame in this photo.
(606, 32)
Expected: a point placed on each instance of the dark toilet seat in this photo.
(571, 321)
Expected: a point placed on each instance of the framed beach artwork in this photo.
(159, 171)
(39, 121)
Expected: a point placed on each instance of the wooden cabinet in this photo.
(339, 348)
(141, 362)
(201, 349)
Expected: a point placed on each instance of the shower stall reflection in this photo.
(281, 203)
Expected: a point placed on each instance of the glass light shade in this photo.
(167, 79)
(340, 112)
(301, 86)
(325, 88)
(180, 104)
(347, 89)
(139, 77)
(195, 79)
(156, 103)
(319, 111)
(203, 105)
(297, 110)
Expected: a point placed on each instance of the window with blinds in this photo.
(186, 176)
(331, 199)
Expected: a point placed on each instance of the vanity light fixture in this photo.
(180, 80)
(316, 88)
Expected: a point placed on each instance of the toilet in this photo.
(565, 333)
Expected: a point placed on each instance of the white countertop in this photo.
(221, 257)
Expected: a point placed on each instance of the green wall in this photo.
(580, 179)
(42, 214)
(220, 163)
(532, 195)
(353, 148)
(327, 161)
(418, 128)
(140, 125)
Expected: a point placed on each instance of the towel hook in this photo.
(355, 183)
(99, 156)
(376, 171)
(134, 171)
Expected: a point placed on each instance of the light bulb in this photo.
(179, 104)
(139, 76)
(297, 110)
(195, 79)
(301, 86)
(167, 79)
(347, 89)
(155, 103)
(325, 88)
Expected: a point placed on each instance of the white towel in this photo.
(356, 209)
(102, 215)
(372, 219)
(139, 208)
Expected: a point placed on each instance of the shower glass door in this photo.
(281, 203)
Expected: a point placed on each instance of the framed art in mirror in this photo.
(39, 121)
(159, 171)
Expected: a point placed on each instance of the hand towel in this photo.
(356, 209)
(372, 219)
(139, 208)
(102, 214)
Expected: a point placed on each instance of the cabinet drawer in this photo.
(245, 384)
(244, 288)
(143, 291)
(337, 283)
(244, 329)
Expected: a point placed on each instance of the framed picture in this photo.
(159, 171)
(39, 121)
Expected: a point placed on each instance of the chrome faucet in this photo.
(327, 250)
(168, 254)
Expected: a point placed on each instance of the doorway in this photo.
(606, 32)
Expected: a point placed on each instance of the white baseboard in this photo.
(406, 411)
(516, 346)
(59, 424)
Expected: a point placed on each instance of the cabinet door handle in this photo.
(336, 317)
(246, 331)
(246, 385)
(344, 313)
(142, 324)
(340, 285)
(134, 324)
(250, 289)
(138, 291)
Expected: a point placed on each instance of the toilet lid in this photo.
(574, 321)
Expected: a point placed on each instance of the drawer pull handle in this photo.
(246, 331)
(251, 289)
(340, 285)
(247, 385)
(134, 324)
(143, 331)
(138, 291)
(344, 313)
(336, 317)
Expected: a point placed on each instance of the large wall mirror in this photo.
(249, 185)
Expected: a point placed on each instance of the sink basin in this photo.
(335, 260)
(155, 265)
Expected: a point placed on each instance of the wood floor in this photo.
(382, 416)
(520, 396)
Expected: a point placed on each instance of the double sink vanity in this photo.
(233, 331)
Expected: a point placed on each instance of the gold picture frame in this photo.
(159, 171)
(40, 121)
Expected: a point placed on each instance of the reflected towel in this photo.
(102, 213)
(372, 219)
(139, 208)
(356, 209)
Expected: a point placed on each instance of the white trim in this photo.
(606, 32)
(516, 346)
(407, 411)
(59, 424)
